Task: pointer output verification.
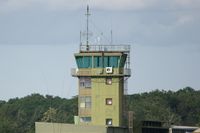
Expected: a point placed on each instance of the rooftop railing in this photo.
(87, 48)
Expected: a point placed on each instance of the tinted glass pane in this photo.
(79, 61)
(98, 62)
(123, 60)
(106, 61)
(113, 61)
(87, 62)
(84, 61)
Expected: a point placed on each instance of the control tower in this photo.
(101, 73)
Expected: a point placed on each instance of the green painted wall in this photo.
(101, 91)
(90, 66)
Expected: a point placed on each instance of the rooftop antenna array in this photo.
(87, 26)
(86, 33)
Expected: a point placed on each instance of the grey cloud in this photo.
(11, 5)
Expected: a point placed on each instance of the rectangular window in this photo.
(88, 102)
(85, 101)
(85, 82)
(109, 122)
(109, 81)
(108, 101)
(82, 102)
(85, 119)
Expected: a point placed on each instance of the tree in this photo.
(50, 115)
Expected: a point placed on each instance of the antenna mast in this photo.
(87, 32)
(111, 37)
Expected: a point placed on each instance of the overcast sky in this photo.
(38, 39)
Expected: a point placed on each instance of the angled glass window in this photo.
(84, 61)
(87, 62)
(98, 62)
(79, 61)
(123, 60)
(113, 61)
(106, 61)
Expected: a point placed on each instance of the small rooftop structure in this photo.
(182, 129)
(163, 127)
(154, 127)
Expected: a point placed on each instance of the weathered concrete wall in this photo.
(43, 127)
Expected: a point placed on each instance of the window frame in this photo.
(85, 83)
(107, 121)
(85, 102)
(107, 100)
(86, 119)
(108, 80)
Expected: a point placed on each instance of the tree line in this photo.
(182, 107)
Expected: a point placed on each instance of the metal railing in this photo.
(94, 72)
(127, 71)
(123, 48)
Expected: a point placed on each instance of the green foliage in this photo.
(50, 115)
(19, 115)
(180, 108)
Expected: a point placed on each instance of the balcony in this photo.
(75, 72)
